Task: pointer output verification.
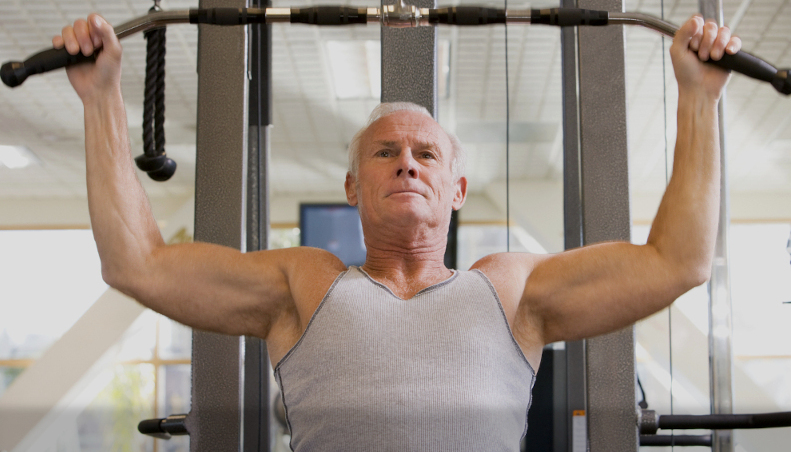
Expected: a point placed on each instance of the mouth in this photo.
(405, 192)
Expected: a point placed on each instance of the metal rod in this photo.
(645, 20)
(152, 20)
(400, 15)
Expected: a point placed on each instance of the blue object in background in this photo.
(335, 228)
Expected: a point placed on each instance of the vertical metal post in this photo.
(597, 209)
(720, 326)
(409, 63)
(257, 420)
(576, 400)
(214, 422)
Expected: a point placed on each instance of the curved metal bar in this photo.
(645, 20)
(276, 15)
(152, 20)
(13, 73)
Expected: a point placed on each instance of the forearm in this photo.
(123, 226)
(685, 226)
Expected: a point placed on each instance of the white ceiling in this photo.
(312, 126)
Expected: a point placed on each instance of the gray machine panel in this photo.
(409, 63)
(605, 212)
(597, 209)
(214, 422)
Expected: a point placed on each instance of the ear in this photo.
(351, 189)
(461, 193)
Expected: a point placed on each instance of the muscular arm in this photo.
(202, 285)
(601, 288)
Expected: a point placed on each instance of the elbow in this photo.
(696, 274)
(116, 278)
(703, 274)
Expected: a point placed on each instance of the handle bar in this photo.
(400, 15)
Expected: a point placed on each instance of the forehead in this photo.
(408, 127)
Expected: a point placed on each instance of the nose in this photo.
(407, 166)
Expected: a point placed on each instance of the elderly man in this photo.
(404, 353)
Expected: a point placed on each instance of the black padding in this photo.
(475, 15)
(219, 16)
(566, 17)
(328, 15)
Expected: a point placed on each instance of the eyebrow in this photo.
(420, 145)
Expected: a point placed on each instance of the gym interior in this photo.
(82, 364)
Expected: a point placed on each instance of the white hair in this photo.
(388, 108)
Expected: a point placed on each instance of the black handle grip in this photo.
(224, 16)
(329, 15)
(566, 17)
(14, 73)
(466, 15)
(754, 67)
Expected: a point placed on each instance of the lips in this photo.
(405, 191)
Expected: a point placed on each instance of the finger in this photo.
(70, 40)
(722, 40)
(734, 45)
(707, 41)
(83, 37)
(57, 42)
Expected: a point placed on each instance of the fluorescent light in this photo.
(16, 157)
(356, 68)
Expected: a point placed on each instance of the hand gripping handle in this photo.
(14, 73)
(754, 67)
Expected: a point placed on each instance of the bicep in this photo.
(599, 289)
(214, 288)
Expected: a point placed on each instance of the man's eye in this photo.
(427, 155)
(384, 154)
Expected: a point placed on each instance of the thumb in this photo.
(102, 33)
(684, 35)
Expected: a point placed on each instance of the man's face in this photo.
(404, 174)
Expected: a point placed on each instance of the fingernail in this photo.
(731, 48)
(97, 22)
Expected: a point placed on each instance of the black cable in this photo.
(667, 182)
(643, 403)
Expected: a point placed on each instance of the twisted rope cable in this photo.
(159, 118)
(150, 91)
(154, 95)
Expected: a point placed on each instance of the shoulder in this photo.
(508, 273)
(299, 259)
(308, 274)
(507, 266)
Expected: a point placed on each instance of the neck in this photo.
(406, 270)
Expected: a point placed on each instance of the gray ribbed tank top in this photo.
(438, 372)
